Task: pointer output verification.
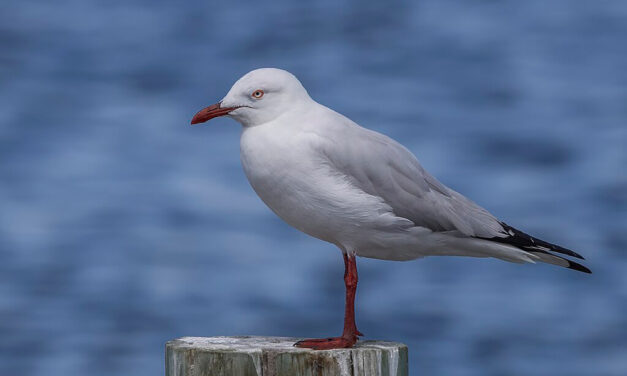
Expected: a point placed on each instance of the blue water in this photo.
(122, 227)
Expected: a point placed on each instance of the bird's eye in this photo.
(257, 94)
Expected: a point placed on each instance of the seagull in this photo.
(332, 179)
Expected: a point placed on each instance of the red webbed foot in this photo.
(327, 343)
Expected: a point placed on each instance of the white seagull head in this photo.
(258, 97)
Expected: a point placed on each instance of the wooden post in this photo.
(276, 356)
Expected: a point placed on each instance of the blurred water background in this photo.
(122, 227)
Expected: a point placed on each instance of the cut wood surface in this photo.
(276, 356)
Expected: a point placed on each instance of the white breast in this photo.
(288, 173)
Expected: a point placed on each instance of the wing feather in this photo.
(381, 166)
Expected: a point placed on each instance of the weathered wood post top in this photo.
(276, 356)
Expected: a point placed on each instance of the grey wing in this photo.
(381, 166)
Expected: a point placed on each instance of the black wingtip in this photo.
(524, 241)
(578, 267)
(549, 258)
(528, 243)
(568, 252)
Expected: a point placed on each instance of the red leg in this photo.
(350, 333)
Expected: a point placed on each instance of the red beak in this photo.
(210, 112)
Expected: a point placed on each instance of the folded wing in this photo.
(381, 166)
